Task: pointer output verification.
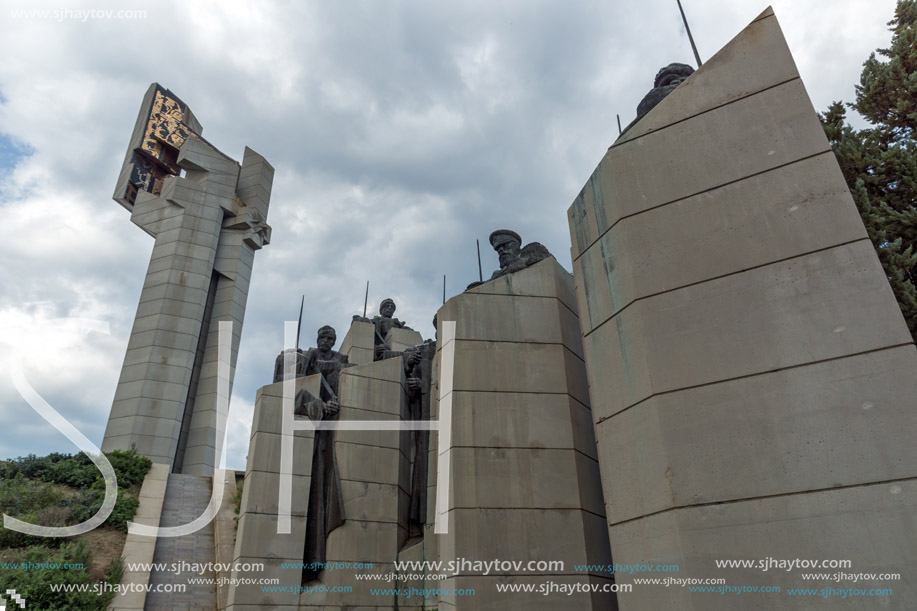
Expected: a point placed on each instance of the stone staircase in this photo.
(186, 499)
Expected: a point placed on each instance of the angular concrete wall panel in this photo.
(823, 305)
(523, 480)
(757, 220)
(751, 375)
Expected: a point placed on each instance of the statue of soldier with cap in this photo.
(513, 256)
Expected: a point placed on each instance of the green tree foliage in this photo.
(78, 470)
(880, 163)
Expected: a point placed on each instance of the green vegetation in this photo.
(237, 502)
(880, 163)
(77, 470)
(35, 585)
(60, 490)
(28, 491)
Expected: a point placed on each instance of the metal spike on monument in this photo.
(690, 37)
(480, 272)
(366, 299)
(299, 324)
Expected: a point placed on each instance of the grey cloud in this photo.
(400, 131)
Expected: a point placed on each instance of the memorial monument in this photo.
(751, 376)
(208, 216)
(351, 492)
(524, 480)
(724, 376)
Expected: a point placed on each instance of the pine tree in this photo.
(880, 163)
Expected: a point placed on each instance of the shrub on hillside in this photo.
(35, 585)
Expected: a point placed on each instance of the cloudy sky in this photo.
(400, 133)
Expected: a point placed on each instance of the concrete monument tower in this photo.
(208, 216)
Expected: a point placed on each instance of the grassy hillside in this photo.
(61, 490)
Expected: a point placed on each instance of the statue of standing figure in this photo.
(419, 377)
(326, 501)
(383, 323)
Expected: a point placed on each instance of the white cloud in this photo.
(401, 131)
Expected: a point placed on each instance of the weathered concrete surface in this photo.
(824, 425)
(224, 532)
(257, 539)
(752, 378)
(232, 266)
(523, 420)
(758, 219)
(139, 550)
(186, 498)
(523, 482)
(871, 525)
(207, 225)
(359, 343)
(400, 340)
(823, 305)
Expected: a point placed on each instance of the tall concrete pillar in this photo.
(752, 379)
(207, 214)
(523, 481)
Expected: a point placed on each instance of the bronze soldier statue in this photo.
(383, 323)
(513, 256)
(326, 502)
(419, 378)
